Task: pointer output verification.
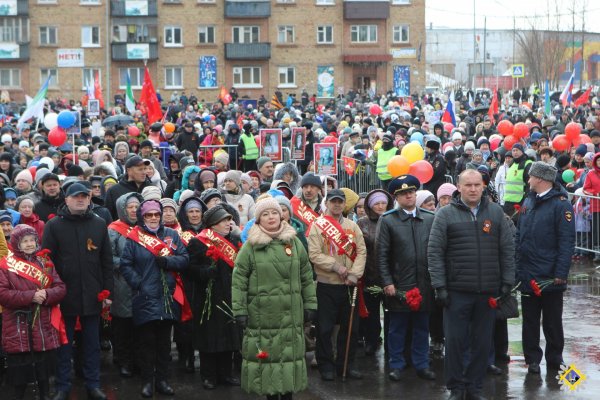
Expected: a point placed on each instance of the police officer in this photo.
(248, 149)
(387, 151)
(402, 235)
(437, 161)
(471, 258)
(545, 244)
(516, 179)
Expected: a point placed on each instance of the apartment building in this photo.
(197, 46)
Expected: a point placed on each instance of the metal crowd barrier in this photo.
(203, 150)
(364, 179)
(587, 224)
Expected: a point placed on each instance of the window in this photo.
(206, 1)
(246, 34)
(10, 78)
(363, 33)
(286, 1)
(173, 77)
(90, 36)
(287, 77)
(285, 34)
(400, 2)
(14, 30)
(325, 34)
(401, 34)
(88, 76)
(48, 35)
(47, 1)
(246, 77)
(173, 36)
(206, 34)
(53, 72)
(136, 76)
(89, 2)
(325, 2)
(140, 33)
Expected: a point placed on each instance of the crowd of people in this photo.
(131, 239)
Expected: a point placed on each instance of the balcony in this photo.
(12, 9)
(247, 51)
(371, 9)
(11, 52)
(247, 9)
(142, 8)
(134, 51)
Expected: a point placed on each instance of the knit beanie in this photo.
(246, 178)
(167, 202)
(207, 175)
(193, 204)
(266, 204)
(235, 176)
(150, 206)
(222, 157)
(581, 150)
(40, 173)
(25, 175)
(446, 189)
(377, 197)
(186, 194)
(151, 193)
(284, 202)
(215, 215)
(261, 161)
(423, 195)
(469, 146)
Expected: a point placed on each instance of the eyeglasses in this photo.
(152, 215)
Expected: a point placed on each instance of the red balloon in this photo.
(330, 139)
(581, 139)
(521, 130)
(572, 130)
(448, 127)
(375, 110)
(422, 170)
(32, 170)
(509, 142)
(505, 127)
(560, 143)
(494, 143)
(57, 136)
(133, 131)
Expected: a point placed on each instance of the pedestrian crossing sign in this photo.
(518, 71)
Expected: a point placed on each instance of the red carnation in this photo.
(50, 216)
(103, 295)
(492, 302)
(213, 253)
(43, 253)
(517, 207)
(413, 299)
(536, 288)
(262, 355)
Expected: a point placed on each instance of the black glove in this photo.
(161, 262)
(441, 297)
(310, 315)
(212, 272)
(242, 321)
(505, 289)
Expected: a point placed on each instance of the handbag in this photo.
(508, 307)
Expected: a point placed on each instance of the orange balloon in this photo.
(398, 165)
(169, 127)
(422, 170)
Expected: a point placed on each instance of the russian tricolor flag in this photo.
(449, 115)
(565, 96)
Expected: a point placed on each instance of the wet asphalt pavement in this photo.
(582, 349)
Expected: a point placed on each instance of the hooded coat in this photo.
(368, 226)
(145, 277)
(121, 306)
(124, 186)
(283, 169)
(591, 186)
(184, 181)
(273, 289)
(233, 139)
(80, 250)
(16, 294)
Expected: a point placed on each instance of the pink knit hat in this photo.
(446, 189)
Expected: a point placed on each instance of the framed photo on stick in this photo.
(298, 143)
(325, 158)
(270, 144)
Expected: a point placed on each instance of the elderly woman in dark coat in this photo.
(215, 334)
(152, 256)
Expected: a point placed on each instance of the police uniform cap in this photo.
(403, 183)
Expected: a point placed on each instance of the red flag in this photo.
(148, 98)
(349, 165)
(98, 90)
(584, 98)
(224, 96)
(494, 106)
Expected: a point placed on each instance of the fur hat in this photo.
(167, 202)
(266, 204)
(543, 171)
(18, 233)
(214, 216)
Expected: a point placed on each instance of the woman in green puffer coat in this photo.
(273, 294)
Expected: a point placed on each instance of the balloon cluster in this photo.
(58, 124)
(410, 161)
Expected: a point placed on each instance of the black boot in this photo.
(286, 396)
(44, 390)
(20, 392)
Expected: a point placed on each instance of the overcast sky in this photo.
(500, 13)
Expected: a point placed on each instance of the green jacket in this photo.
(273, 289)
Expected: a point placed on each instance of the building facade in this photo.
(324, 46)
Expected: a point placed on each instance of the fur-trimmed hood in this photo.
(256, 237)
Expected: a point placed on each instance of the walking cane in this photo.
(353, 306)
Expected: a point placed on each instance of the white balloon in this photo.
(48, 161)
(51, 121)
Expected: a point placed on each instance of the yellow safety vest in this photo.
(250, 146)
(514, 189)
(383, 157)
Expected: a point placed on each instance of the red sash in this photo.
(186, 236)
(160, 249)
(34, 274)
(227, 251)
(121, 227)
(333, 231)
(303, 212)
